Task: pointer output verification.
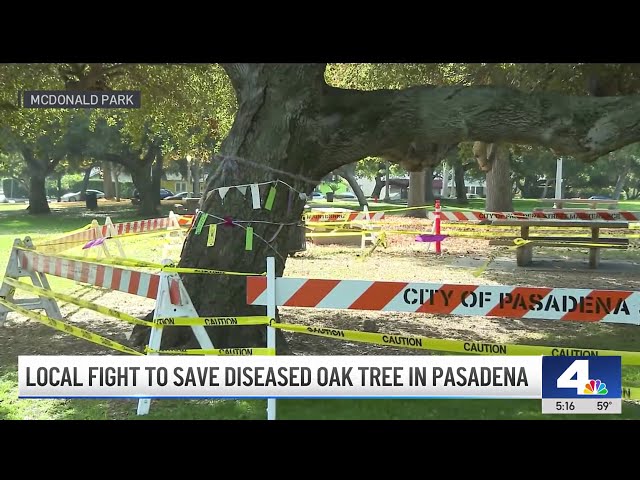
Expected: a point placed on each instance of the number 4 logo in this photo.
(578, 369)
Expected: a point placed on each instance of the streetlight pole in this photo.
(189, 186)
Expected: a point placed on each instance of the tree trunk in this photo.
(387, 185)
(256, 150)
(530, 187)
(38, 203)
(348, 173)
(38, 170)
(141, 177)
(140, 168)
(59, 178)
(622, 178)
(377, 190)
(546, 188)
(416, 194)
(115, 171)
(444, 191)
(196, 176)
(85, 182)
(461, 189)
(428, 197)
(353, 183)
(499, 198)
(107, 180)
(156, 178)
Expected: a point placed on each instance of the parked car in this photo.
(345, 196)
(164, 193)
(183, 195)
(75, 197)
(599, 197)
(315, 196)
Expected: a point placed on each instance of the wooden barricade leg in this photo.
(16, 270)
(112, 233)
(172, 301)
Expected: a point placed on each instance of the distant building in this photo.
(177, 183)
(171, 181)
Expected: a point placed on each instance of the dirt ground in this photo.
(403, 260)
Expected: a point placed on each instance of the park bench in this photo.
(524, 254)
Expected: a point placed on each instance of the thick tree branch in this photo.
(245, 76)
(387, 122)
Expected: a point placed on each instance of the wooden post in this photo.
(436, 223)
(594, 253)
(524, 254)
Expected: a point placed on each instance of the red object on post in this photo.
(174, 292)
(437, 225)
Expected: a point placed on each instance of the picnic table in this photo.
(524, 254)
(591, 203)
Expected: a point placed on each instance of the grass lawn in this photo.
(16, 223)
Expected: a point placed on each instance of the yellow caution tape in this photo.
(206, 271)
(338, 234)
(353, 233)
(520, 242)
(343, 223)
(492, 256)
(381, 241)
(489, 226)
(65, 234)
(456, 226)
(422, 207)
(70, 329)
(211, 321)
(215, 351)
(346, 214)
(456, 346)
(76, 301)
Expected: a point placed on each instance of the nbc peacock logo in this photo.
(595, 387)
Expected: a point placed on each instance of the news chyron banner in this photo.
(566, 384)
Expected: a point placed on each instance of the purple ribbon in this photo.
(94, 243)
(430, 238)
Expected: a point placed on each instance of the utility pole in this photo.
(559, 178)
